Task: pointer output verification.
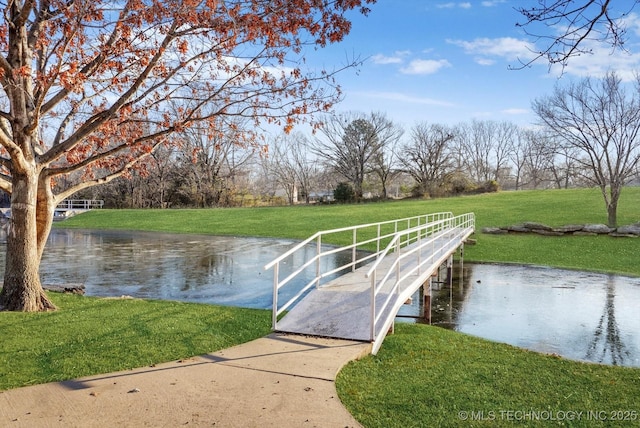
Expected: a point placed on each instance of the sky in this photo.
(449, 62)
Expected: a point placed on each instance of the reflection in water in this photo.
(609, 342)
(579, 315)
(194, 268)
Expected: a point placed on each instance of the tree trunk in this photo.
(612, 218)
(611, 202)
(22, 290)
(612, 214)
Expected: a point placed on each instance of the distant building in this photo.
(324, 196)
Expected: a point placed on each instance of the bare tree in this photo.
(563, 166)
(579, 22)
(211, 159)
(428, 156)
(351, 143)
(485, 147)
(538, 152)
(505, 135)
(541, 161)
(306, 166)
(291, 166)
(384, 161)
(159, 167)
(474, 148)
(284, 173)
(518, 154)
(281, 167)
(601, 120)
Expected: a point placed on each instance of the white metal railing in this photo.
(80, 204)
(367, 237)
(437, 237)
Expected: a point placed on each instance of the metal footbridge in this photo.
(381, 266)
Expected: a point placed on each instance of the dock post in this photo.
(461, 264)
(426, 307)
(450, 270)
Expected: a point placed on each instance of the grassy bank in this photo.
(431, 377)
(423, 376)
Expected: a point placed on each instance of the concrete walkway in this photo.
(277, 381)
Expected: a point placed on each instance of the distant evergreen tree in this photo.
(344, 193)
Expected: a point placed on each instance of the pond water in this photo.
(578, 315)
(221, 270)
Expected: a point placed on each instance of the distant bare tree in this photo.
(306, 166)
(290, 163)
(504, 137)
(383, 162)
(538, 150)
(159, 167)
(279, 166)
(474, 149)
(212, 161)
(427, 157)
(351, 142)
(518, 154)
(540, 160)
(563, 167)
(578, 22)
(485, 147)
(601, 120)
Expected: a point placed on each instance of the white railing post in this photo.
(372, 332)
(353, 250)
(397, 261)
(275, 295)
(420, 251)
(318, 252)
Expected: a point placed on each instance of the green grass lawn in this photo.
(431, 377)
(90, 335)
(422, 376)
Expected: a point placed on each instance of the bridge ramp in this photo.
(342, 307)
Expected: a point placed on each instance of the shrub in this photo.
(344, 193)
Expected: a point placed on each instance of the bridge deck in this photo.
(342, 307)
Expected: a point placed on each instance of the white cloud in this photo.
(451, 5)
(485, 61)
(516, 111)
(601, 59)
(632, 23)
(425, 66)
(396, 58)
(492, 3)
(398, 96)
(503, 47)
(381, 59)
